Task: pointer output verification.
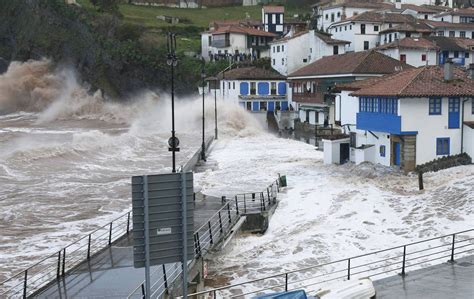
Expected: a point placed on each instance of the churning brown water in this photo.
(66, 155)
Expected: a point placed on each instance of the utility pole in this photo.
(172, 61)
(203, 147)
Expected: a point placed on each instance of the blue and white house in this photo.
(409, 118)
(254, 89)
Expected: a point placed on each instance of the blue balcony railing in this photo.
(379, 122)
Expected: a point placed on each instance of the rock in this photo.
(3, 65)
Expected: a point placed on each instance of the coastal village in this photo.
(261, 149)
(392, 81)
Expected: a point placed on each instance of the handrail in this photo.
(404, 265)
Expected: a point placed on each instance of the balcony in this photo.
(220, 43)
(379, 122)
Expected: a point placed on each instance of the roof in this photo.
(364, 62)
(420, 9)
(409, 27)
(421, 82)
(360, 4)
(242, 30)
(315, 98)
(251, 73)
(356, 85)
(274, 9)
(245, 22)
(451, 43)
(438, 8)
(329, 40)
(459, 12)
(374, 16)
(287, 38)
(410, 43)
(439, 24)
(470, 124)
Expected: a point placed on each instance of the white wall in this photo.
(413, 56)
(469, 141)
(346, 109)
(415, 117)
(332, 150)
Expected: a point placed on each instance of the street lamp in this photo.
(215, 107)
(203, 76)
(172, 61)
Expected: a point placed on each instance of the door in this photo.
(453, 117)
(397, 157)
(344, 153)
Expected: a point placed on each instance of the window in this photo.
(327, 16)
(249, 106)
(452, 34)
(228, 85)
(403, 58)
(355, 13)
(335, 28)
(273, 49)
(335, 50)
(456, 54)
(426, 17)
(423, 57)
(332, 17)
(462, 34)
(435, 106)
(382, 151)
(263, 105)
(466, 55)
(366, 45)
(472, 108)
(305, 60)
(338, 14)
(273, 61)
(278, 49)
(282, 48)
(273, 88)
(472, 35)
(283, 61)
(233, 85)
(390, 25)
(408, 34)
(440, 33)
(390, 38)
(442, 146)
(345, 28)
(350, 28)
(376, 28)
(277, 105)
(362, 28)
(253, 88)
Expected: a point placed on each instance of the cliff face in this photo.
(105, 51)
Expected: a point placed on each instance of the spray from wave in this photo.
(55, 94)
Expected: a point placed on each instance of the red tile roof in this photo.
(410, 27)
(274, 9)
(329, 40)
(459, 12)
(410, 43)
(378, 17)
(439, 24)
(421, 82)
(251, 73)
(364, 62)
(360, 4)
(356, 85)
(420, 9)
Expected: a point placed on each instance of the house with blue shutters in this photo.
(254, 89)
(409, 118)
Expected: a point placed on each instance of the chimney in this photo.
(470, 71)
(448, 70)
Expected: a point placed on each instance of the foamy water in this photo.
(66, 155)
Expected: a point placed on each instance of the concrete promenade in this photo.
(445, 281)
(111, 274)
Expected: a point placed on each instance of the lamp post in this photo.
(215, 107)
(203, 76)
(172, 61)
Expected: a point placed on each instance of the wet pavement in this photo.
(111, 274)
(447, 280)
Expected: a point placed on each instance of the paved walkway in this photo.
(441, 281)
(111, 274)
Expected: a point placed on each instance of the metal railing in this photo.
(209, 234)
(36, 277)
(387, 262)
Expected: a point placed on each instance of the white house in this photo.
(464, 15)
(363, 30)
(235, 40)
(415, 30)
(411, 50)
(409, 118)
(273, 19)
(292, 53)
(419, 11)
(309, 91)
(462, 30)
(337, 11)
(254, 89)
